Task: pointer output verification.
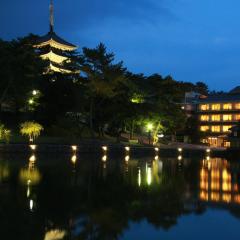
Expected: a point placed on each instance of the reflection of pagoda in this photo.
(54, 48)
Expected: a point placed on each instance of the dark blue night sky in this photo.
(192, 40)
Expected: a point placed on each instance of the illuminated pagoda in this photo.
(54, 49)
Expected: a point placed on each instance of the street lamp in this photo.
(149, 128)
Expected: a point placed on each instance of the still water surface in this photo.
(53, 197)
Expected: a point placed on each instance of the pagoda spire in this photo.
(51, 16)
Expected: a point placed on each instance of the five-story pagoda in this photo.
(55, 49)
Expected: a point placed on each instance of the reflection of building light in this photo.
(208, 158)
(127, 158)
(31, 204)
(149, 175)
(179, 158)
(33, 147)
(204, 195)
(237, 198)
(156, 158)
(209, 165)
(127, 149)
(180, 149)
(104, 148)
(208, 150)
(156, 149)
(74, 148)
(139, 177)
(215, 196)
(32, 158)
(226, 197)
(104, 158)
(56, 234)
(74, 159)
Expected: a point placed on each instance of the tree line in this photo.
(101, 97)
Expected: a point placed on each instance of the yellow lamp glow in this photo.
(149, 126)
(127, 149)
(180, 149)
(33, 147)
(104, 148)
(104, 158)
(74, 148)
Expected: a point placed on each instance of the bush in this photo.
(31, 130)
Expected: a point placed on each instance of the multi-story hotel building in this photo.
(217, 114)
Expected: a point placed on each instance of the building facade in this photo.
(217, 115)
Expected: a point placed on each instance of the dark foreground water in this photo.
(53, 197)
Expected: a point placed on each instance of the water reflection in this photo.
(218, 182)
(106, 193)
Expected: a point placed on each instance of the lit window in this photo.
(227, 144)
(237, 117)
(227, 106)
(237, 106)
(204, 118)
(226, 128)
(216, 118)
(216, 107)
(204, 128)
(227, 117)
(204, 107)
(215, 128)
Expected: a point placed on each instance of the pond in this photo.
(57, 196)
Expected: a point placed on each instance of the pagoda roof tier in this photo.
(54, 41)
(53, 57)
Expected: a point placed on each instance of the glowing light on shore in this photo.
(156, 149)
(208, 150)
(104, 148)
(74, 148)
(127, 149)
(179, 149)
(33, 147)
(179, 158)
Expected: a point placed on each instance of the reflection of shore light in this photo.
(127, 158)
(139, 177)
(179, 158)
(156, 158)
(28, 191)
(104, 158)
(33, 147)
(32, 158)
(208, 150)
(31, 204)
(74, 159)
(208, 158)
(180, 149)
(156, 149)
(149, 175)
